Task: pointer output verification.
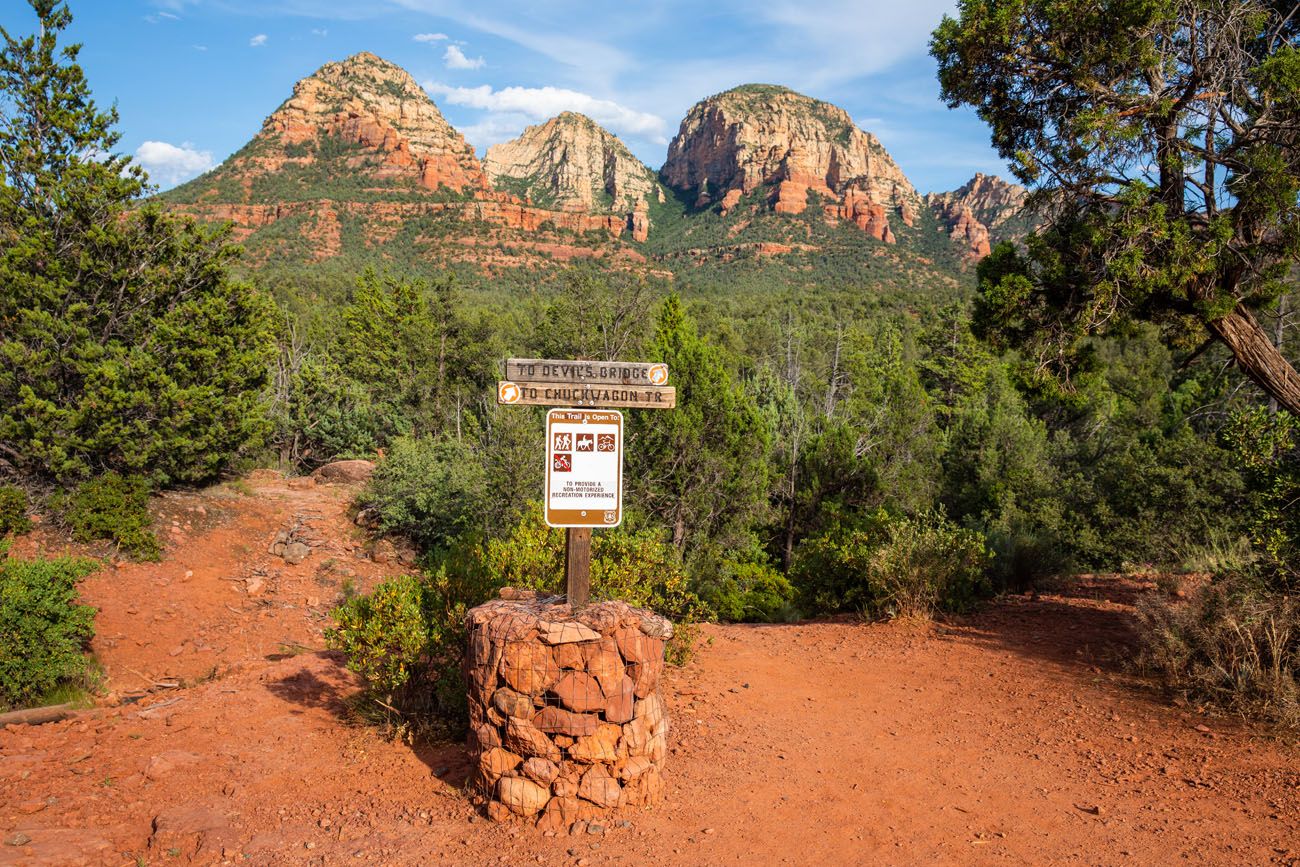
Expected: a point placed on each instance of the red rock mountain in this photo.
(572, 163)
(796, 151)
(360, 149)
(986, 211)
(359, 161)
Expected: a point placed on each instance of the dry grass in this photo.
(1230, 642)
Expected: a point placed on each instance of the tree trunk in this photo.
(35, 716)
(1259, 358)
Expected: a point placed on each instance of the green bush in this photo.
(1233, 642)
(407, 638)
(13, 511)
(746, 591)
(112, 507)
(429, 490)
(43, 629)
(383, 633)
(894, 566)
(1023, 559)
(1267, 447)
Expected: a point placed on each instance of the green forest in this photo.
(853, 435)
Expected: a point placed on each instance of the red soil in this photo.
(1013, 736)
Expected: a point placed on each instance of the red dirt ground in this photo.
(1011, 737)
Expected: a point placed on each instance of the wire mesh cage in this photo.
(566, 720)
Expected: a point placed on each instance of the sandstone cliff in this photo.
(360, 144)
(362, 117)
(986, 211)
(571, 163)
(766, 137)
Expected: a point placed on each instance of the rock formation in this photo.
(795, 147)
(360, 142)
(573, 164)
(359, 162)
(986, 211)
(377, 110)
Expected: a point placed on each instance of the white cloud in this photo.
(200, 48)
(454, 58)
(541, 103)
(258, 41)
(168, 164)
(429, 37)
(319, 31)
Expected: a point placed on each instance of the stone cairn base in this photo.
(566, 720)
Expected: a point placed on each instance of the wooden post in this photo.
(577, 564)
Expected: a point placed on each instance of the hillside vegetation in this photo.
(865, 421)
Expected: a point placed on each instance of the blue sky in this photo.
(193, 79)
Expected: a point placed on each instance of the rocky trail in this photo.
(1013, 736)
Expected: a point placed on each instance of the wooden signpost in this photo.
(584, 442)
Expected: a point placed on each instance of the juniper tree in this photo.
(1163, 139)
(124, 344)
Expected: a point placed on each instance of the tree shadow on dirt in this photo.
(323, 683)
(1087, 626)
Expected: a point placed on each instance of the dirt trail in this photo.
(1012, 737)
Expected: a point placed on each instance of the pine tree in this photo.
(702, 468)
(124, 344)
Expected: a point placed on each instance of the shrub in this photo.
(13, 511)
(1267, 446)
(747, 591)
(1232, 642)
(429, 490)
(112, 507)
(407, 638)
(1023, 559)
(383, 634)
(43, 629)
(894, 566)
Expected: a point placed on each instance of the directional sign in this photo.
(511, 393)
(584, 468)
(635, 373)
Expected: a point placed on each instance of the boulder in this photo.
(569, 656)
(296, 552)
(646, 674)
(541, 770)
(599, 747)
(636, 646)
(485, 736)
(566, 632)
(496, 762)
(634, 767)
(381, 551)
(511, 703)
(599, 787)
(560, 813)
(345, 472)
(605, 663)
(528, 667)
(619, 705)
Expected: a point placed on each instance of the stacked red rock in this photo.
(566, 720)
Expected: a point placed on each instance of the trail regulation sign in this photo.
(584, 468)
(584, 443)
